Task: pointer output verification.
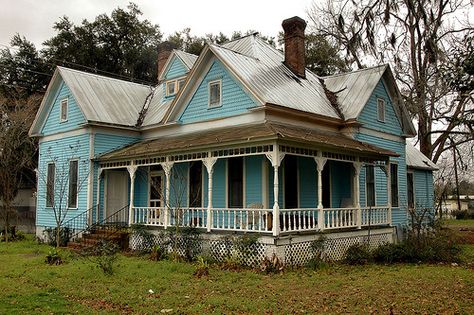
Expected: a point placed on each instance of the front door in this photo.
(117, 191)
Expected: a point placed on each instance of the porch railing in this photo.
(261, 220)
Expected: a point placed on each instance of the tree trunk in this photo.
(58, 241)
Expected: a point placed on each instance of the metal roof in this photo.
(106, 100)
(416, 159)
(156, 108)
(261, 67)
(247, 133)
(187, 58)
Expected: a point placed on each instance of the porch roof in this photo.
(245, 134)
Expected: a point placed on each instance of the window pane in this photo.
(180, 84)
(394, 184)
(63, 110)
(170, 88)
(72, 198)
(236, 182)
(370, 185)
(50, 185)
(215, 94)
(381, 110)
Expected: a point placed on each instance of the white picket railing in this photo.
(261, 220)
(247, 220)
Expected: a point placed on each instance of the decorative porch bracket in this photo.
(320, 162)
(389, 192)
(357, 167)
(132, 169)
(275, 158)
(209, 163)
(167, 166)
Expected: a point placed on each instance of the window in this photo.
(381, 110)
(180, 84)
(411, 191)
(370, 185)
(171, 88)
(73, 178)
(235, 169)
(195, 184)
(50, 185)
(394, 183)
(215, 93)
(64, 110)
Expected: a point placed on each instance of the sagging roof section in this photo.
(246, 133)
(416, 159)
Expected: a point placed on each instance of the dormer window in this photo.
(180, 84)
(171, 88)
(215, 96)
(63, 112)
(381, 110)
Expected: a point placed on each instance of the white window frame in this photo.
(162, 199)
(168, 83)
(77, 184)
(178, 83)
(381, 103)
(209, 93)
(61, 111)
(47, 183)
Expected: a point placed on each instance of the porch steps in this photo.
(118, 236)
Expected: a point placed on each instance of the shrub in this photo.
(202, 267)
(64, 236)
(271, 265)
(358, 254)
(463, 215)
(157, 253)
(53, 257)
(104, 255)
(317, 247)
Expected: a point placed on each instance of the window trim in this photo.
(50, 205)
(168, 83)
(219, 82)
(183, 79)
(398, 185)
(164, 203)
(63, 101)
(381, 101)
(69, 185)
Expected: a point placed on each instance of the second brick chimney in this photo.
(294, 45)
(164, 51)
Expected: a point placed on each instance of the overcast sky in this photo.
(34, 19)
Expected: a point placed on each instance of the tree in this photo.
(16, 150)
(420, 39)
(120, 44)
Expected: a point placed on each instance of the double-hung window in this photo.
(215, 97)
(51, 173)
(63, 114)
(73, 179)
(381, 110)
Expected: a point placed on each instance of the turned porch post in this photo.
(389, 193)
(132, 169)
(275, 158)
(357, 167)
(209, 163)
(167, 166)
(320, 162)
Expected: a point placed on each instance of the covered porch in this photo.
(269, 179)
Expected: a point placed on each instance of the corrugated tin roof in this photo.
(247, 133)
(416, 159)
(188, 59)
(104, 99)
(156, 108)
(261, 67)
(353, 89)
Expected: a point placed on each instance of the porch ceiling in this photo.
(244, 135)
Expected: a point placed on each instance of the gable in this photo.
(235, 100)
(175, 69)
(368, 116)
(75, 117)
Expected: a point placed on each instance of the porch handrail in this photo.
(78, 222)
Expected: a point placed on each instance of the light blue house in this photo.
(241, 138)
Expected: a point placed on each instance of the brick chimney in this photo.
(294, 45)
(164, 51)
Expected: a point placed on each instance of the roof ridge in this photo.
(254, 34)
(231, 50)
(355, 71)
(99, 76)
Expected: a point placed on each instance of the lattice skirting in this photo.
(295, 251)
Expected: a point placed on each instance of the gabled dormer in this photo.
(174, 71)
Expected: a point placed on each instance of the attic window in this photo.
(381, 109)
(215, 93)
(63, 114)
(171, 88)
(180, 84)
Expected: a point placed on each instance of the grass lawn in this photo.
(454, 222)
(30, 286)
